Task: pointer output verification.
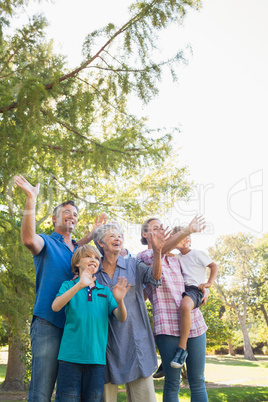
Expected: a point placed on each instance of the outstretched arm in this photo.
(86, 279)
(98, 222)
(195, 226)
(158, 241)
(29, 237)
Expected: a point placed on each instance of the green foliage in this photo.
(241, 282)
(71, 130)
(3, 332)
(234, 255)
(218, 331)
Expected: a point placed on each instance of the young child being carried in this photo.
(193, 265)
(82, 355)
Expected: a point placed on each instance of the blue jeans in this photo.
(80, 382)
(45, 340)
(195, 363)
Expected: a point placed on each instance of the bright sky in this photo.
(219, 103)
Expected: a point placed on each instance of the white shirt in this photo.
(193, 266)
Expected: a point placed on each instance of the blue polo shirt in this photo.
(52, 266)
(85, 332)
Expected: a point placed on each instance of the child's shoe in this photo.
(179, 358)
(159, 373)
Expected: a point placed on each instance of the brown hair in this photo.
(82, 252)
(144, 229)
(60, 206)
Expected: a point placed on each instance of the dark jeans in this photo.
(80, 382)
(45, 341)
(196, 348)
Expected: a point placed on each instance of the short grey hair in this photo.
(101, 231)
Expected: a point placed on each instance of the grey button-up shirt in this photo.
(131, 350)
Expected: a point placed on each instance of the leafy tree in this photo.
(3, 332)
(71, 130)
(218, 331)
(260, 278)
(234, 255)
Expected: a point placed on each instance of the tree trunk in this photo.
(230, 348)
(264, 314)
(15, 367)
(248, 352)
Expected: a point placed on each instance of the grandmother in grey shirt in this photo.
(131, 354)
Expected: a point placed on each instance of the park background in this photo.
(216, 114)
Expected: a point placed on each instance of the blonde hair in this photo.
(82, 252)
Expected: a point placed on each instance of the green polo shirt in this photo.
(85, 333)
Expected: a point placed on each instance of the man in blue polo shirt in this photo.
(52, 259)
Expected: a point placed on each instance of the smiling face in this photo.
(152, 226)
(112, 241)
(66, 219)
(90, 264)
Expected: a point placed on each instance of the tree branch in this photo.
(75, 195)
(73, 73)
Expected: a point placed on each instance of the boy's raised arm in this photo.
(195, 226)
(29, 237)
(85, 280)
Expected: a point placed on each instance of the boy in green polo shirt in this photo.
(82, 355)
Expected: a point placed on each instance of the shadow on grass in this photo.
(229, 361)
(231, 394)
(237, 394)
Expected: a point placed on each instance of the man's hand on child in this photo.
(120, 289)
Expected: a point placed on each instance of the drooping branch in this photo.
(75, 195)
(73, 73)
(103, 97)
(97, 144)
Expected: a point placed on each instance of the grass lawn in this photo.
(2, 372)
(233, 379)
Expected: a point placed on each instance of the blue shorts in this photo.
(195, 294)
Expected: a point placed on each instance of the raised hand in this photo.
(100, 221)
(197, 224)
(159, 238)
(120, 289)
(86, 279)
(28, 189)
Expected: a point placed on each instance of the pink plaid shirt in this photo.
(166, 299)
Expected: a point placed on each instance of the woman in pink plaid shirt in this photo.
(166, 301)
